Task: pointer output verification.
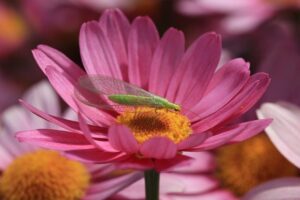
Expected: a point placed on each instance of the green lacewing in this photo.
(119, 92)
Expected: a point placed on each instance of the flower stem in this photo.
(152, 184)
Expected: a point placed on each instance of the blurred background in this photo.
(266, 33)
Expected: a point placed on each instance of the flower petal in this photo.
(97, 52)
(159, 148)
(116, 27)
(136, 163)
(46, 56)
(103, 145)
(169, 164)
(242, 102)
(107, 188)
(142, 41)
(278, 189)
(195, 71)
(284, 132)
(70, 125)
(233, 133)
(95, 155)
(193, 140)
(165, 61)
(202, 162)
(225, 84)
(54, 139)
(121, 138)
(65, 87)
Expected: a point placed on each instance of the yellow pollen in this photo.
(244, 165)
(146, 122)
(44, 175)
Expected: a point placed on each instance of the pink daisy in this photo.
(30, 173)
(134, 53)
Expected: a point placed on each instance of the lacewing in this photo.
(121, 93)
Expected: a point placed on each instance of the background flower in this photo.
(103, 180)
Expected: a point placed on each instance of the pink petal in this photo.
(107, 188)
(116, 27)
(98, 55)
(242, 102)
(284, 132)
(194, 139)
(54, 139)
(95, 155)
(195, 71)
(170, 164)
(46, 56)
(121, 138)
(65, 88)
(159, 148)
(219, 194)
(225, 84)
(142, 41)
(233, 133)
(187, 184)
(72, 126)
(103, 145)
(136, 163)
(278, 189)
(250, 133)
(203, 162)
(165, 61)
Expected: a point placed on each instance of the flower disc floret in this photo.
(44, 175)
(146, 123)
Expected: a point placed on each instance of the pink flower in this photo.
(240, 16)
(134, 53)
(22, 165)
(284, 133)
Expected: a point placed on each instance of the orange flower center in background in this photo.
(244, 165)
(12, 27)
(146, 122)
(44, 175)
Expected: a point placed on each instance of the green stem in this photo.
(152, 184)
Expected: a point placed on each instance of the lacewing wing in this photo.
(109, 93)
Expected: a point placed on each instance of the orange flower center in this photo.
(44, 175)
(243, 166)
(146, 122)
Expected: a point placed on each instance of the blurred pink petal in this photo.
(279, 189)
(284, 132)
(239, 16)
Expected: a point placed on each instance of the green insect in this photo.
(119, 92)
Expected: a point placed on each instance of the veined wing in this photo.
(109, 86)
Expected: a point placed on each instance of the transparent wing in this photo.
(98, 101)
(108, 86)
